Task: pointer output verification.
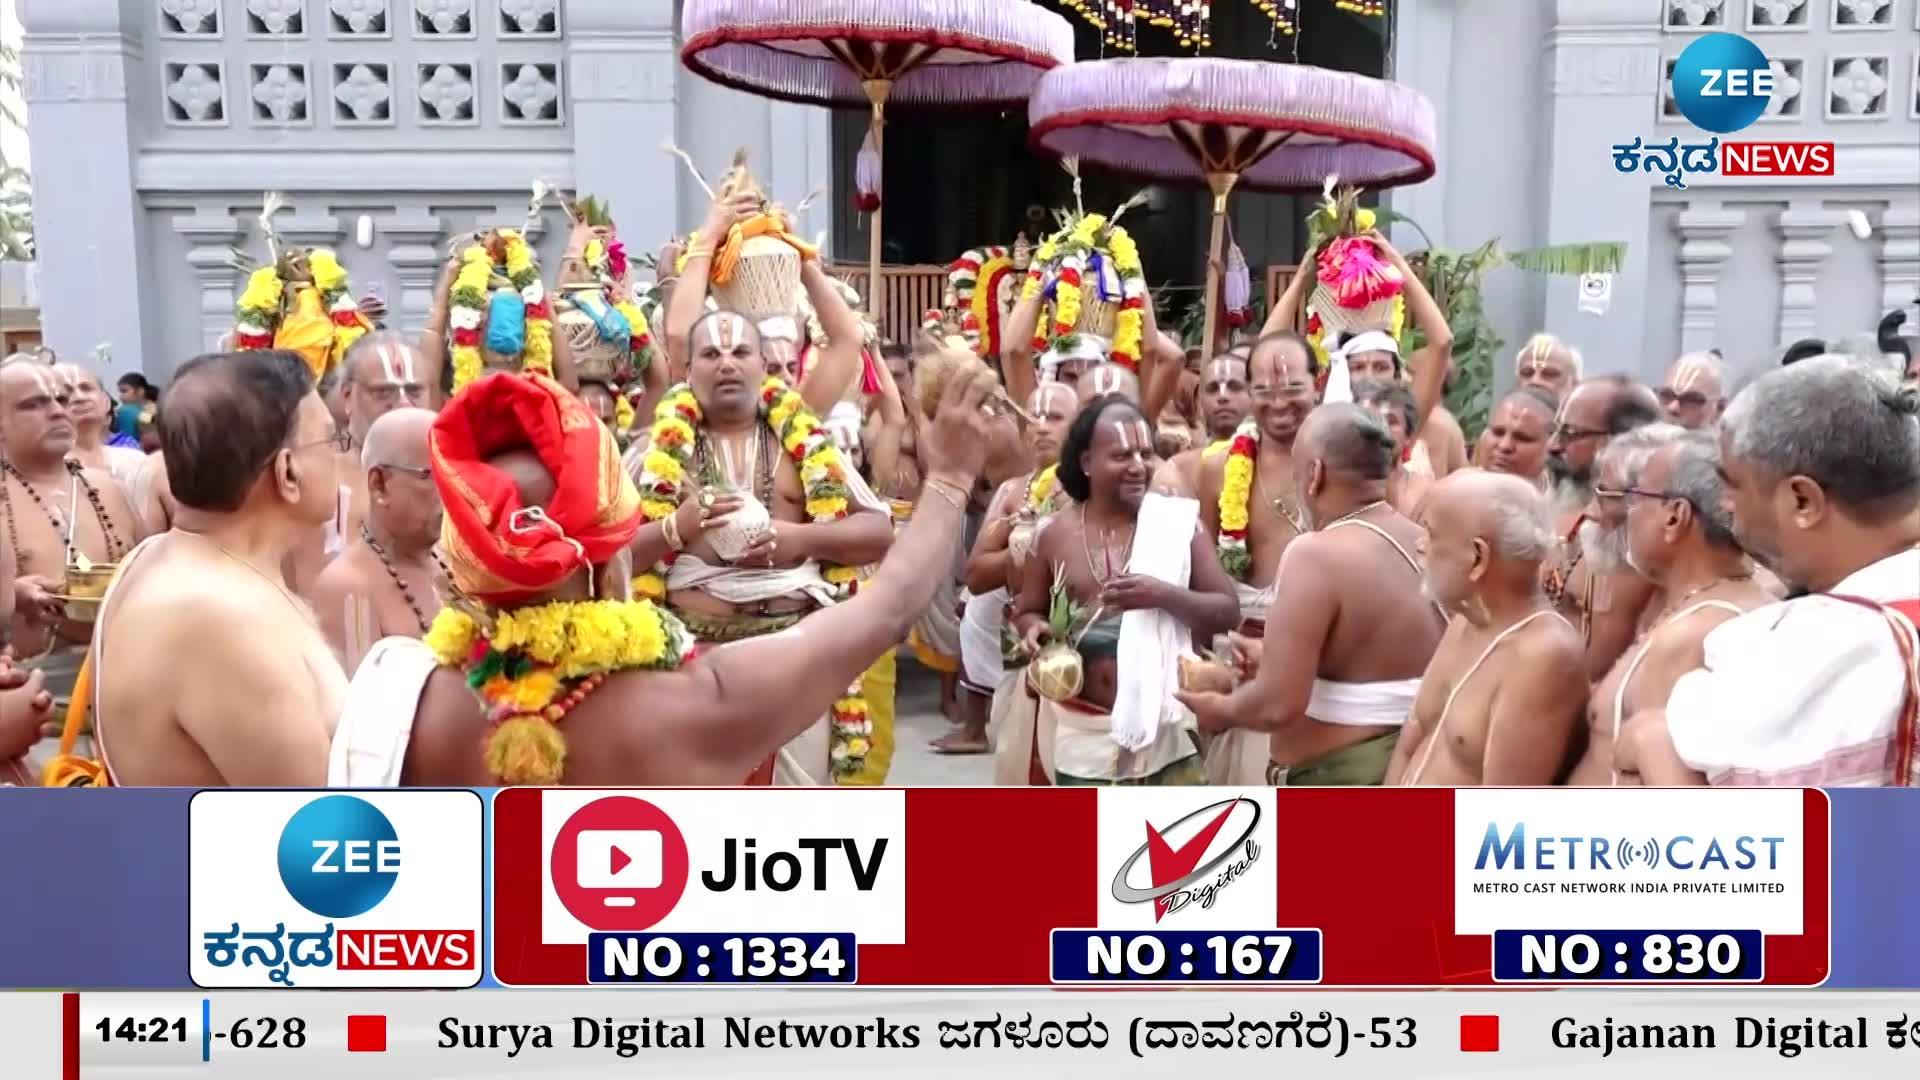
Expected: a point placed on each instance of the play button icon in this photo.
(619, 863)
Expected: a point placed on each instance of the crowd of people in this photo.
(1270, 561)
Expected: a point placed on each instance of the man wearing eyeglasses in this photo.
(1605, 606)
(1659, 511)
(1694, 394)
(382, 585)
(207, 670)
(381, 372)
(1821, 463)
(56, 512)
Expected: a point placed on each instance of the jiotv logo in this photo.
(370, 889)
(1186, 860)
(670, 860)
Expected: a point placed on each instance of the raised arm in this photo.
(839, 363)
(886, 433)
(433, 334)
(1286, 310)
(1016, 346)
(688, 300)
(1428, 365)
(740, 702)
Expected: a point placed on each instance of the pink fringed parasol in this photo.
(1274, 127)
(869, 53)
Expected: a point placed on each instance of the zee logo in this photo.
(339, 856)
(1722, 82)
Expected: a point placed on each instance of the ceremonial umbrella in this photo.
(1272, 127)
(854, 53)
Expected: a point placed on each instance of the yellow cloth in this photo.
(879, 684)
(307, 330)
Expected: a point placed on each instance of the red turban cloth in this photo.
(498, 550)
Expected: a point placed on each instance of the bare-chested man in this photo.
(25, 705)
(1667, 521)
(48, 499)
(1695, 393)
(383, 584)
(381, 372)
(208, 670)
(1607, 607)
(1331, 689)
(1515, 441)
(1501, 701)
(1550, 364)
(777, 576)
(91, 411)
(1086, 559)
(715, 718)
(1393, 403)
(1224, 403)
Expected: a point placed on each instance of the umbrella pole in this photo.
(877, 90)
(1222, 185)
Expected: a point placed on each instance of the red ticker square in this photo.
(1479, 1034)
(368, 1034)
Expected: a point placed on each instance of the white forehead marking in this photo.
(1132, 434)
(726, 328)
(396, 363)
(1222, 368)
(1106, 380)
(1037, 402)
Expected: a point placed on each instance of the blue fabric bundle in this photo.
(506, 323)
(611, 324)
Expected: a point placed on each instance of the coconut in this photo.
(1204, 676)
(732, 535)
(1057, 673)
(932, 373)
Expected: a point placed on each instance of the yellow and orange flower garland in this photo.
(663, 480)
(609, 262)
(1074, 246)
(470, 301)
(1236, 495)
(258, 316)
(1044, 490)
(541, 662)
(973, 291)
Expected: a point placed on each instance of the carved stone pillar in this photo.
(1900, 262)
(77, 55)
(1604, 75)
(1804, 230)
(416, 253)
(621, 58)
(1703, 248)
(212, 234)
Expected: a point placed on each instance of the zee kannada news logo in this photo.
(339, 857)
(1722, 83)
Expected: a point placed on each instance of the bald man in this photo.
(48, 500)
(1501, 701)
(382, 585)
(1695, 392)
(1101, 380)
(1331, 690)
(381, 372)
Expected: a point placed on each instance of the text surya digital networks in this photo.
(627, 1040)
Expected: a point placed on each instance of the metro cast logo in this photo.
(1511, 849)
(388, 872)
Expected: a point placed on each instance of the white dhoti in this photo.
(1015, 730)
(980, 626)
(370, 742)
(1372, 704)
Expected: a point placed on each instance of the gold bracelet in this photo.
(670, 529)
(696, 252)
(954, 494)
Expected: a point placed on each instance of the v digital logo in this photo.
(1182, 859)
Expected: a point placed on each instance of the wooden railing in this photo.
(906, 293)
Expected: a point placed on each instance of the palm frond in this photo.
(1571, 259)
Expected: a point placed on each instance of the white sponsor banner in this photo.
(1628, 859)
(789, 860)
(1186, 859)
(248, 855)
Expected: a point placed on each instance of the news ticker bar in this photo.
(1375, 872)
(1014, 1034)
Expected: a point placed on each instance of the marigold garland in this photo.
(470, 301)
(622, 414)
(810, 447)
(259, 312)
(1075, 246)
(1236, 494)
(1043, 489)
(541, 662)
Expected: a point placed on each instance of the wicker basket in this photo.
(594, 357)
(1097, 317)
(1345, 320)
(764, 280)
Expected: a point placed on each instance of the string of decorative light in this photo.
(1191, 21)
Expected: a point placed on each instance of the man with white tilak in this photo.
(1821, 462)
(1223, 402)
(381, 372)
(1661, 510)
(1331, 691)
(1695, 394)
(994, 666)
(1500, 703)
(743, 540)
